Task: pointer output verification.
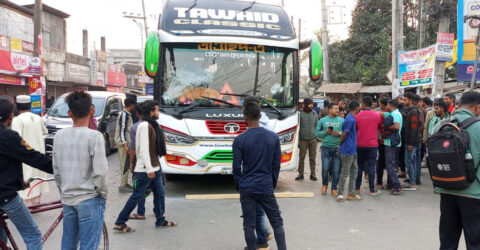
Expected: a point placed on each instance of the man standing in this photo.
(369, 124)
(430, 113)
(308, 141)
(440, 111)
(122, 139)
(150, 146)
(348, 154)
(460, 209)
(80, 169)
(329, 129)
(450, 101)
(401, 153)
(413, 132)
(256, 167)
(31, 128)
(324, 110)
(13, 152)
(381, 145)
(391, 151)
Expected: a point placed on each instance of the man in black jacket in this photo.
(13, 152)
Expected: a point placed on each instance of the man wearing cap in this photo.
(308, 141)
(13, 151)
(31, 128)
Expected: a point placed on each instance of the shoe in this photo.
(313, 178)
(354, 197)
(409, 188)
(334, 193)
(263, 246)
(377, 192)
(418, 181)
(269, 237)
(324, 190)
(340, 198)
(299, 178)
(395, 192)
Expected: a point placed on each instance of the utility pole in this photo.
(85, 42)
(326, 66)
(37, 26)
(283, 3)
(443, 26)
(397, 42)
(421, 23)
(145, 19)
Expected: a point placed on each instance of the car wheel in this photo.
(108, 150)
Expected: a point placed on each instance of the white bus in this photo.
(205, 58)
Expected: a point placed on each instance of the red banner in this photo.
(13, 80)
(117, 79)
(35, 83)
(15, 62)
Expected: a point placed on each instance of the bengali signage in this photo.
(27, 46)
(115, 76)
(416, 68)
(14, 62)
(78, 73)
(35, 85)
(36, 65)
(36, 104)
(466, 37)
(12, 80)
(445, 46)
(149, 89)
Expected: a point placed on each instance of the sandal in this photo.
(167, 224)
(136, 217)
(354, 197)
(124, 229)
(340, 198)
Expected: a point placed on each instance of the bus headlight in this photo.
(175, 137)
(287, 136)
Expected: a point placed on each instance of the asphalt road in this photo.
(407, 221)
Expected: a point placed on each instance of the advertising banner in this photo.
(115, 76)
(416, 68)
(149, 89)
(36, 104)
(14, 62)
(445, 46)
(466, 36)
(12, 80)
(15, 44)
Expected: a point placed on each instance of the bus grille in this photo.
(219, 127)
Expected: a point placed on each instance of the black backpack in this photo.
(449, 157)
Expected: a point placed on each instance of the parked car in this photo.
(107, 108)
(142, 98)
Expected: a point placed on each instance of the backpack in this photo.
(450, 161)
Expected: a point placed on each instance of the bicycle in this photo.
(42, 208)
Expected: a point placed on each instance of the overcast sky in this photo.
(105, 18)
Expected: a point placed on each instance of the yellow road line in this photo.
(237, 196)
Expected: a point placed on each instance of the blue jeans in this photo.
(366, 156)
(143, 182)
(261, 225)
(391, 156)
(83, 224)
(268, 202)
(141, 203)
(24, 222)
(330, 161)
(411, 162)
(418, 164)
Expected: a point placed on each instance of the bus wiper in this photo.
(191, 7)
(280, 113)
(222, 101)
(188, 108)
(249, 7)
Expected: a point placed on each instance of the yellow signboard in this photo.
(15, 44)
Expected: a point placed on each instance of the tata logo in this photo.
(444, 167)
(224, 115)
(231, 128)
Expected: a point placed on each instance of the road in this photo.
(407, 221)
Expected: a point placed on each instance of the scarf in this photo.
(160, 137)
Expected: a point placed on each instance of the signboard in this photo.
(114, 89)
(35, 84)
(214, 18)
(12, 80)
(149, 89)
(36, 104)
(14, 62)
(27, 46)
(143, 79)
(101, 56)
(416, 68)
(15, 44)
(93, 72)
(36, 65)
(445, 46)
(78, 73)
(4, 42)
(466, 36)
(115, 76)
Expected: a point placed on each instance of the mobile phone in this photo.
(331, 128)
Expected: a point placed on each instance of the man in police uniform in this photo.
(13, 152)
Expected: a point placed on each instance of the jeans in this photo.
(411, 162)
(83, 224)
(143, 182)
(311, 147)
(366, 156)
(418, 165)
(380, 163)
(330, 160)
(269, 204)
(456, 214)
(261, 225)
(349, 169)
(391, 158)
(18, 213)
(141, 203)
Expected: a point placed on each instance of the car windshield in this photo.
(60, 108)
(213, 69)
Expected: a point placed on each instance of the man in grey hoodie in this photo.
(308, 141)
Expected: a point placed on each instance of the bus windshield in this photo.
(214, 70)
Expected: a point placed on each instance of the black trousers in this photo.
(269, 204)
(457, 214)
(380, 163)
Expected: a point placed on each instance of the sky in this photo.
(105, 18)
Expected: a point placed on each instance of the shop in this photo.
(15, 69)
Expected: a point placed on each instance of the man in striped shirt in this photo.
(122, 139)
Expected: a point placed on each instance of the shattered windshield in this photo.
(193, 71)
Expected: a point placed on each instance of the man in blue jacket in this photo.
(256, 167)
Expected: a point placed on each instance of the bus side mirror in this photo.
(315, 60)
(152, 54)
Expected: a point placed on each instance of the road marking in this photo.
(237, 196)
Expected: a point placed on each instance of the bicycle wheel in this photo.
(104, 244)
